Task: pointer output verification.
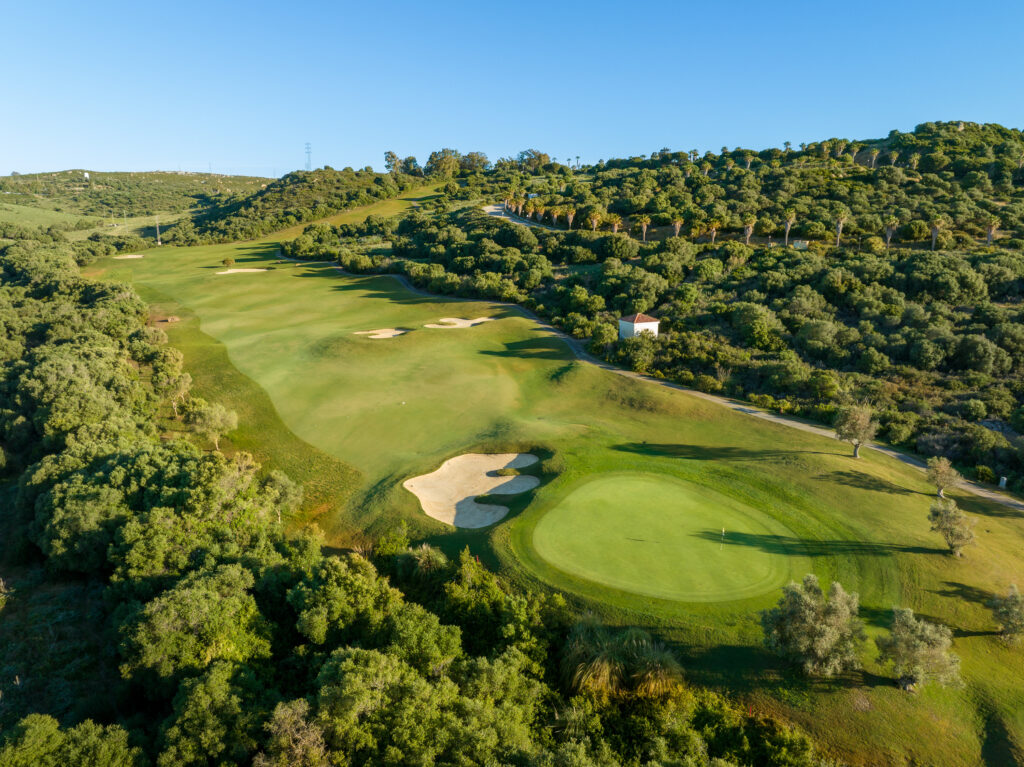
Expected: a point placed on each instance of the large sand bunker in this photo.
(449, 494)
(128, 255)
(241, 271)
(381, 332)
(457, 322)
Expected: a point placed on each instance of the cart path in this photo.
(580, 352)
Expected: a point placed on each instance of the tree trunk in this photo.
(888, 236)
(839, 232)
(856, 449)
(988, 237)
(935, 237)
(714, 232)
(942, 492)
(643, 230)
(788, 225)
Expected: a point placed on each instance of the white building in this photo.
(635, 324)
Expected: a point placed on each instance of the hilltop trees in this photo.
(855, 425)
(821, 636)
(918, 651)
(952, 524)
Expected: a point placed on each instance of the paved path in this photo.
(498, 211)
(578, 349)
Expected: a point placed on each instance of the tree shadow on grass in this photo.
(957, 590)
(977, 505)
(707, 452)
(865, 482)
(545, 347)
(803, 547)
(744, 668)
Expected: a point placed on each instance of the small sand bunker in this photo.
(381, 332)
(242, 271)
(449, 494)
(457, 322)
(172, 318)
(128, 255)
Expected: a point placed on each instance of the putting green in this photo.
(662, 537)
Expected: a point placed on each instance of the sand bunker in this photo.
(128, 255)
(241, 271)
(457, 322)
(449, 494)
(381, 332)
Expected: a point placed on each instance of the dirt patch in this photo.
(242, 271)
(457, 322)
(381, 332)
(449, 494)
(127, 255)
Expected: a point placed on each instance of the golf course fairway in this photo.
(661, 537)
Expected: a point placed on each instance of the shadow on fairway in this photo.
(745, 668)
(865, 482)
(800, 547)
(707, 453)
(957, 590)
(984, 508)
(545, 347)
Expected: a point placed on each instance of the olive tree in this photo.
(1008, 612)
(822, 636)
(942, 474)
(855, 425)
(952, 524)
(918, 651)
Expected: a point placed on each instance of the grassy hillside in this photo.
(509, 385)
(295, 198)
(118, 194)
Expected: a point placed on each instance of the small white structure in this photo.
(635, 324)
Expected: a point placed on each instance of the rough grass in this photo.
(278, 346)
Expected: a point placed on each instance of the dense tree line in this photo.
(195, 631)
(95, 193)
(297, 197)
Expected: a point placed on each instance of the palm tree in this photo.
(840, 220)
(854, 149)
(706, 167)
(528, 209)
(749, 221)
(990, 229)
(788, 146)
(615, 221)
(713, 226)
(595, 221)
(555, 213)
(677, 224)
(644, 221)
(893, 157)
(748, 157)
(538, 209)
(874, 156)
(914, 160)
(936, 224)
(790, 220)
(603, 665)
(570, 214)
(891, 225)
(840, 147)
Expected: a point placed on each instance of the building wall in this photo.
(628, 329)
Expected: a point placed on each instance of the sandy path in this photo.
(457, 322)
(449, 494)
(381, 332)
(242, 271)
(127, 255)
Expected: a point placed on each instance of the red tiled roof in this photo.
(635, 318)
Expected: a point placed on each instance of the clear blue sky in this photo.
(242, 86)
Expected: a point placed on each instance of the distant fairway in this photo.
(657, 536)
